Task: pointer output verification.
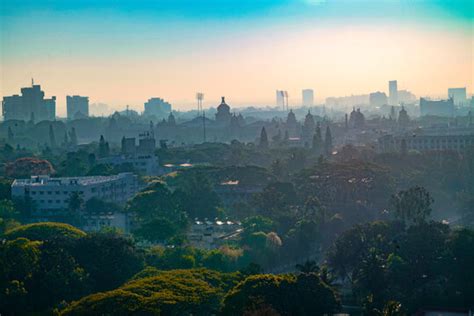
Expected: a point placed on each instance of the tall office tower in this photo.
(77, 107)
(308, 97)
(157, 107)
(31, 105)
(393, 92)
(280, 99)
(458, 95)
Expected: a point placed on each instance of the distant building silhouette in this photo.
(30, 104)
(157, 107)
(403, 118)
(308, 97)
(308, 129)
(392, 92)
(437, 108)
(77, 107)
(377, 98)
(356, 119)
(280, 100)
(223, 115)
(458, 95)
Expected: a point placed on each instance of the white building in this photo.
(54, 193)
(212, 234)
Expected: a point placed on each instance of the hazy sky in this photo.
(123, 52)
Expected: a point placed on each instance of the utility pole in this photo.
(204, 125)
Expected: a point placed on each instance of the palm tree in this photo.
(310, 266)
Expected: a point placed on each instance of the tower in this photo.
(199, 98)
(393, 92)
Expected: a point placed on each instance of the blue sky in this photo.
(121, 37)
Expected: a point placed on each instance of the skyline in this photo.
(130, 51)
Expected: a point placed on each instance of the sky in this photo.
(122, 52)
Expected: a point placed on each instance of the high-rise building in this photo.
(377, 98)
(77, 107)
(458, 95)
(308, 97)
(393, 92)
(280, 99)
(405, 96)
(30, 105)
(157, 107)
(437, 108)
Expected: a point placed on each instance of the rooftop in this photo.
(47, 180)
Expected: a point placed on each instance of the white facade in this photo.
(54, 193)
(211, 235)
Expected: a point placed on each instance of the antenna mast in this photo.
(199, 98)
(204, 125)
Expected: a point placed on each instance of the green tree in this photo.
(197, 197)
(412, 205)
(116, 259)
(75, 202)
(263, 139)
(304, 294)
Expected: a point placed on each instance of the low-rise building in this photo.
(97, 221)
(212, 234)
(395, 143)
(146, 164)
(49, 193)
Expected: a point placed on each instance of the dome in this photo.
(223, 106)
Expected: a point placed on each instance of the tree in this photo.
(18, 260)
(45, 231)
(28, 166)
(328, 142)
(276, 199)
(8, 216)
(412, 205)
(263, 139)
(11, 137)
(197, 197)
(309, 266)
(116, 259)
(159, 215)
(75, 202)
(304, 294)
(176, 292)
(52, 137)
(104, 150)
(73, 137)
(317, 141)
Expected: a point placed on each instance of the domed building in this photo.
(357, 119)
(308, 129)
(223, 115)
(403, 118)
(292, 125)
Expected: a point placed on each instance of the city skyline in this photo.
(243, 50)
